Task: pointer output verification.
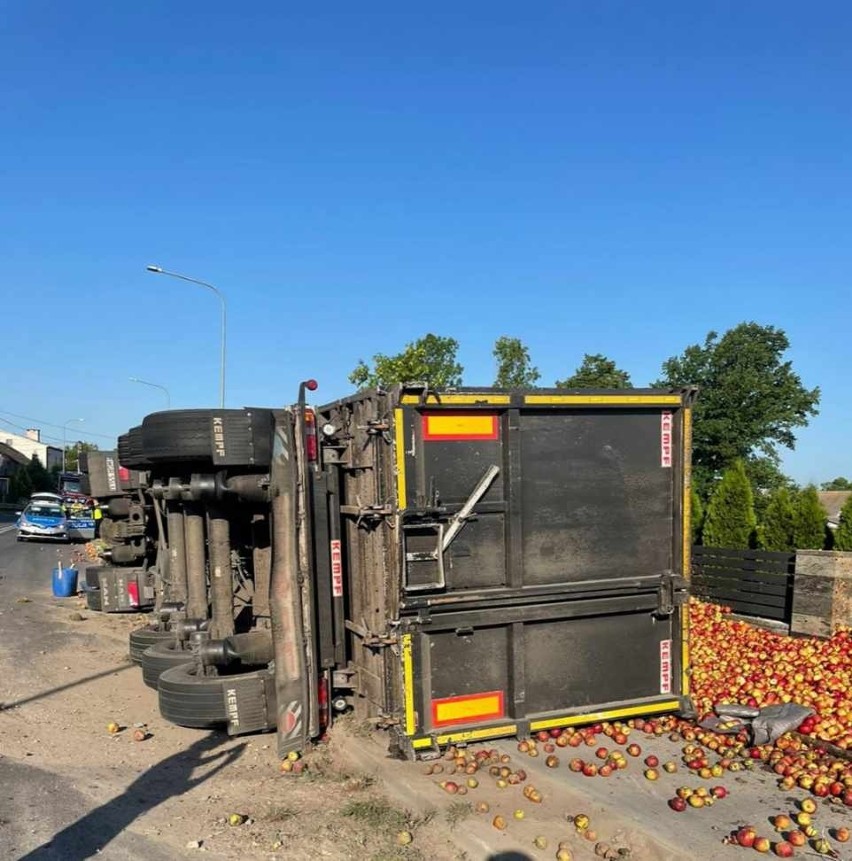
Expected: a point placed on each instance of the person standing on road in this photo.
(97, 515)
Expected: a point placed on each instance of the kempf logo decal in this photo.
(665, 666)
(666, 426)
(336, 569)
(109, 465)
(218, 439)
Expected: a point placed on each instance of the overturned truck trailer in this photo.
(470, 564)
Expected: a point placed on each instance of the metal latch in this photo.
(671, 593)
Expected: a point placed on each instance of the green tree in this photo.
(430, 359)
(697, 519)
(809, 520)
(750, 400)
(41, 479)
(20, 485)
(596, 372)
(73, 452)
(730, 520)
(843, 533)
(777, 525)
(838, 483)
(514, 368)
(766, 478)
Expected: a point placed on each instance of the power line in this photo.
(43, 436)
(51, 424)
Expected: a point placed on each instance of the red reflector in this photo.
(322, 700)
(311, 435)
(133, 593)
(123, 473)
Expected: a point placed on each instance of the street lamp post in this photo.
(65, 440)
(156, 386)
(158, 270)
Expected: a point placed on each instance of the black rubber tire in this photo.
(130, 450)
(93, 599)
(244, 437)
(157, 659)
(144, 638)
(189, 700)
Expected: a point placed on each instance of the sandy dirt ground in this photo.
(71, 790)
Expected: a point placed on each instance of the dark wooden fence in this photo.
(751, 582)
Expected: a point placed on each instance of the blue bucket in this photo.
(64, 582)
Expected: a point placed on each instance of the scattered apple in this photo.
(796, 837)
(762, 844)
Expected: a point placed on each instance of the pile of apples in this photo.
(735, 662)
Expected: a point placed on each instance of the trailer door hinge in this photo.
(671, 593)
(371, 639)
(367, 512)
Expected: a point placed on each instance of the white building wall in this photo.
(49, 455)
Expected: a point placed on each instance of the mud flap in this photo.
(250, 704)
(126, 589)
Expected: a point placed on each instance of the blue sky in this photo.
(612, 177)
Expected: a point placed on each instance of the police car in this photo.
(42, 518)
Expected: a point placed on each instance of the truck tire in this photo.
(241, 437)
(161, 657)
(143, 638)
(92, 588)
(130, 450)
(187, 699)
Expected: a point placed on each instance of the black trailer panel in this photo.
(511, 561)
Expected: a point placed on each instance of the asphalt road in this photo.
(43, 815)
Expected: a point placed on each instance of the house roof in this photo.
(832, 501)
(13, 454)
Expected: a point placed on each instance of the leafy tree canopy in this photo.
(72, 454)
(838, 483)
(751, 399)
(730, 520)
(431, 358)
(766, 478)
(596, 372)
(809, 520)
(514, 368)
(30, 479)
(777, 527)
(697, 516)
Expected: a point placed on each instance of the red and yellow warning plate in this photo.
(460, 427)
(467, 708)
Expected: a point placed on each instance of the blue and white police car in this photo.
(42, 518)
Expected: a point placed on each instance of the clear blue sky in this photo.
(590, 177)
